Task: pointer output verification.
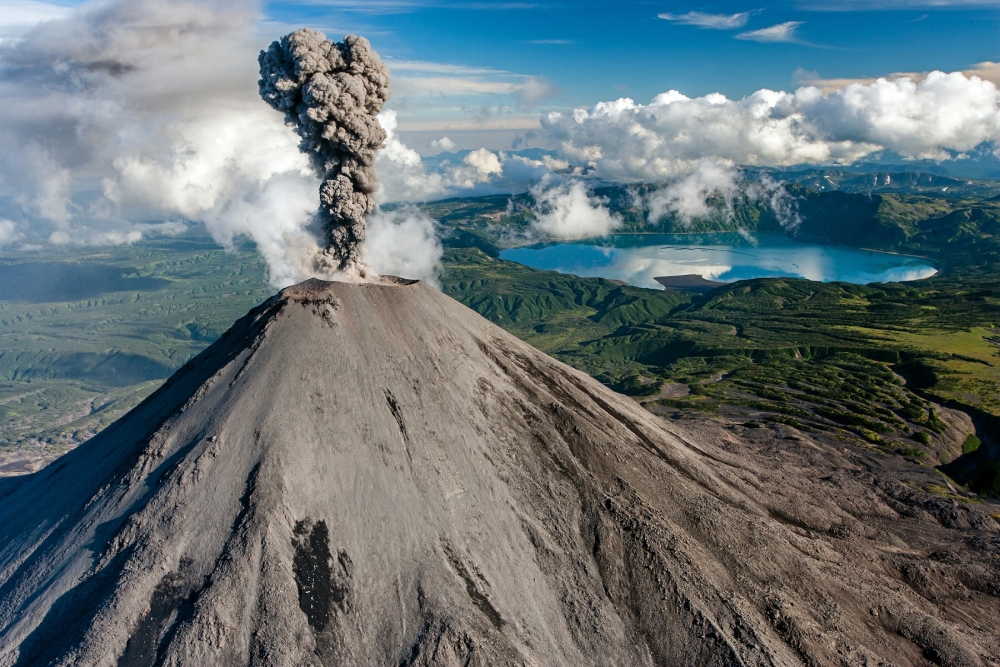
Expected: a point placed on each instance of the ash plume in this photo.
(331, 93)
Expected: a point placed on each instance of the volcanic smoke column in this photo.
(331, 93)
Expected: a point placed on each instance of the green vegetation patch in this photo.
(860, 362)
(86, 335)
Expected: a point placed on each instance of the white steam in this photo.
(566, 210)
(402, 176)
(404, 243)
(153, 108)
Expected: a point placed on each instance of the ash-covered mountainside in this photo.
(375, 475)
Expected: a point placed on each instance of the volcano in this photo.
(373, 474)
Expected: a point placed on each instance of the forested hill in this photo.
(907, 369)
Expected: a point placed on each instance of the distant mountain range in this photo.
(903, 182)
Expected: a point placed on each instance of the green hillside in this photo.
(867, 364)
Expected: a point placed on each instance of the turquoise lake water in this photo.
(638, 258)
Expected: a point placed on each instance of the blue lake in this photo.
(639, 258)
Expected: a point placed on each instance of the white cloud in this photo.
(425, 86)
(442, 145)
(782, 32)
(566, 210)
(154, 105)
(935, 118)
(783, 205)
(534, 89)
(445, 97)
(404, 243)
(479, 166)
(485, 162)
(688, 197)
(18, 16)
(8, 232)
(713, 21)
(988, 71)
(451, 122)
(402, 176)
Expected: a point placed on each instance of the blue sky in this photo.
(483, 71)
(593, 51)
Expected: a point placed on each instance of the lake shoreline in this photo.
(639, 258)
(806, 239)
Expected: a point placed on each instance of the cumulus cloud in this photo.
(688, 197)
(782, 32)
(988, 71)
(404, 243)
(936, 118)
(484, 162)
(567, 210)
(443, 145)
(402, 176)
(713, 21)
(479, 166)
(8, 232)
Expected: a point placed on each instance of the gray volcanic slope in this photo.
(375, 475)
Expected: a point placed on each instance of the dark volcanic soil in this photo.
(375, 475)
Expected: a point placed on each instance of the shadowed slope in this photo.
(374, 474)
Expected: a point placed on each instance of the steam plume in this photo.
(331, 93)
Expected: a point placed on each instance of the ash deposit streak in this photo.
(331, 93)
